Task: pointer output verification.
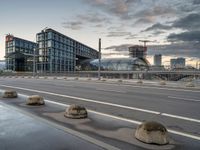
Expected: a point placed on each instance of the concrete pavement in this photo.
(177, 108)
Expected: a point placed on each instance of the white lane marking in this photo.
(184, 99)
(109, 104)
(130, 121)
(149, 87)
(180, 117)
(184, 134)
(109, 90)
(85, 99)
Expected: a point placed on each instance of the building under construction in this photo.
(19, 54)
(137, 51)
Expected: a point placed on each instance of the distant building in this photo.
(60, 53)
(158, 60)
(137, 51)
(19, 54)
(2, 64)
(177, 63)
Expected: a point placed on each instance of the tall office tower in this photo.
(158, 60)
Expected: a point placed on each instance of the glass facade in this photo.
(59, 53)
(19, 54)
(116, 64)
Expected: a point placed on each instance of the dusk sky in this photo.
(174, 25)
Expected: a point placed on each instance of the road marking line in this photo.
(149, 87)
(108, 90)
(109, 104)
(131, 121)
(180, 117)
(185, 99)
(85, 99)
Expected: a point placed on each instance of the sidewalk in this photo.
(20, 131)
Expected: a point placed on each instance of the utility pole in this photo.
(99, 68)
(34, 62)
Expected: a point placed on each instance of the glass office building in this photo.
(19, 54)
(59, 53)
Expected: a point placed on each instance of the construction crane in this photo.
(146, 41)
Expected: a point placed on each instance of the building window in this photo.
(49, 35)
(49, 43)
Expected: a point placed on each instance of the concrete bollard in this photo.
(76, 78)
(139, 82)
(10, 94)
(76, 112)
(35, 100)
(89, 79)
(103, 79)
(190, 84)
(120, 80)
(54, 78)
(152, 133)
(45, 77)
(65, 78)
(162, 83)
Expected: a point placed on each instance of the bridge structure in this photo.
(146, 74)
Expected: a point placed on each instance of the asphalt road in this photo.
(177, 109)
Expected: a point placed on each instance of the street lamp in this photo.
(99, 67)
(34, 67)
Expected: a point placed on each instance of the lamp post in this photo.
(34, 68)
(99, 67)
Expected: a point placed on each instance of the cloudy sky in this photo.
(172, 25)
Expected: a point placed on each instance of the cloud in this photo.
(92, 18)
(73, 25)
(190, 26)
(174, 49)
(132, 36)
(190, 22)
(196, 2)
(190, 36)
(119, 8)
(144, 20)
(157, 26)
(119, 48)
(118, 34)
(155, 11)
(86, 19)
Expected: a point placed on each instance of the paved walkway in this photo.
(19, 131)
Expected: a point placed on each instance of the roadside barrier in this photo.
(35, 100)
(76, 112)
(139, 82)
(9, 94)
(162, 83)
(190, 84)
(152, 133)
